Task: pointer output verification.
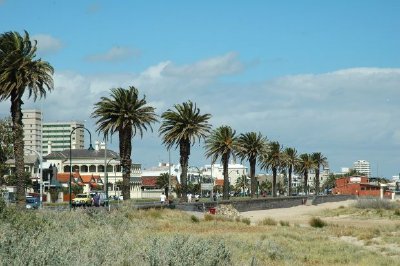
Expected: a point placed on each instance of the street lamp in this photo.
(70, 160)
(41, 176)
(106, 176)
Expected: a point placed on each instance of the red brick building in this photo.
(360, 186)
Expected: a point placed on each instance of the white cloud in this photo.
(116, 53)
(47, 44)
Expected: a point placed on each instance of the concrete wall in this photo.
(264, 203)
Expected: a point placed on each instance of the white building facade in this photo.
(56, 136)
(363, 167)
(32, 120)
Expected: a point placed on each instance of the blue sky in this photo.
(315, 75)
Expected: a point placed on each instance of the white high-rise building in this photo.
(32, 120)
(362, 167)
(56, 136)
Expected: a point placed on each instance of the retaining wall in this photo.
(264, 203)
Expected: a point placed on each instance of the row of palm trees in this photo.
(126, 113)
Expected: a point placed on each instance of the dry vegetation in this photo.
(172, 237)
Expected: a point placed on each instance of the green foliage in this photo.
(268, 221)
(12, 180)
(186, 250)
(246, 221)
(284, 223)
(317, 222)
(397, 212)
(194, 219)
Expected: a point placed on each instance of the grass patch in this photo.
(246, 221)
(376, 203)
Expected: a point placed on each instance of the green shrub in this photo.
(246, 221)
(194, 219)
(284, 223)
(317, 222)
(186, 250)
(208, 217)
(268, 221)
(397, 212)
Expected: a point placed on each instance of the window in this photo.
(92, 168)
(101, 168)
(84, 169)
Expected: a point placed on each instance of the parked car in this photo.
(84, 199)
(102, 198)
(32, 203)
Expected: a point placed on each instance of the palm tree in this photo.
(19, 71)
(242, 183)
(124, 112)
(291, 161)
(163, 182)
(305, 165)
(273, 159)
(251, 146)
(319, 160)
(222, 142)
(182, 127)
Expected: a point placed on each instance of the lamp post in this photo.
(41, 176)
(70, 160)
(106, 176)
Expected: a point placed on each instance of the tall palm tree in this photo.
(20, 71)
(251, 146)
(291, 161)
(273, 159)
(128, 114)
(305, 165)
(182, 127)
(319, 160)
(222, 142)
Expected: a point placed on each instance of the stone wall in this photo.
(264, 203)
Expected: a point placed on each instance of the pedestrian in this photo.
(189, 196)
(162, 198)
(96, 200)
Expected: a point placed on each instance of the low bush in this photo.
(268, 221)
(284, 223)
(246, 221)
(194, 219)
(317, 222)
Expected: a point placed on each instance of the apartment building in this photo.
(32, 120)
(363, 167)
(56, 136)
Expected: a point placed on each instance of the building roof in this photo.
(28, 159)
(82, 154)
(149, 181)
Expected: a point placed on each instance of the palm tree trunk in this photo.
(225, 161)
(317, 181)
(290, 181)
(125, 148)
(253, 180)
(18, 136)
(306, 182)
(274, 170)
(184, 152)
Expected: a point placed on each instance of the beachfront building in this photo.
(95, 163)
